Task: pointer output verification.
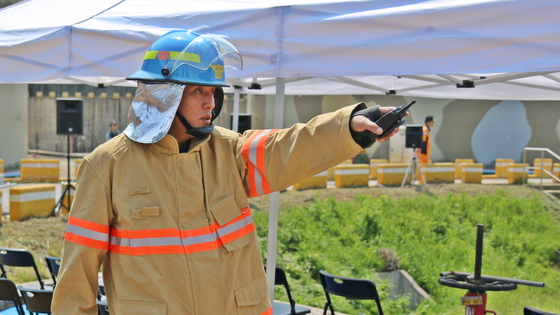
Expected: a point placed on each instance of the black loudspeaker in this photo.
(413, 136)
(69, 116)
(244, 122)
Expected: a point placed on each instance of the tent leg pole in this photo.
(274, 197)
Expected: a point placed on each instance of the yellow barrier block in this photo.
(515, 173)
(438, 172)
(471, 173)
(556, 169)
(459, 164)
(391, 174)
(502, 167)
(65, 207)
(541, 164)
(40, 170)
(355, 175)
(31, 201)
(316, 181)
(330, 174)
(1, 171)
(373, 164)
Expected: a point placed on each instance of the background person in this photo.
(113, 130)
(163, 208)
(425, 152)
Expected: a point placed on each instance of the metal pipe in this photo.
(478, 258)
(492, 278)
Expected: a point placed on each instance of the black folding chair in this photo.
(102, 307)
(533, 311)
(280, 308)
(350, 288)
(53, 263)
(16, 257)
(9, 292)
(37, 301)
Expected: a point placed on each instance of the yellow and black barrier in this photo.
(28, 201)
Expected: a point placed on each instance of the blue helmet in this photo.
(186, 57)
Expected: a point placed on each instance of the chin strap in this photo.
(201, 132)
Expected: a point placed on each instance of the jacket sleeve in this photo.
(85, 246)
(279, 158)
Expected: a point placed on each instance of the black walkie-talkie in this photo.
(391, 121)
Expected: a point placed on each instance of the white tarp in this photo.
(416, 48)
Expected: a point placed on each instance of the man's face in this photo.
(197, 104)
(430, 123)
(114, 127)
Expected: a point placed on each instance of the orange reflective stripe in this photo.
(103, 245)
(268, 312)
(159, 241)
(254, 151)
(87, 233)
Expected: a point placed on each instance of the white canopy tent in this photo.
(506, 49)
(476, 49)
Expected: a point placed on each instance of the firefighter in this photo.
(163, 208)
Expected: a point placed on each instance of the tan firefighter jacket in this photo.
(173, 231)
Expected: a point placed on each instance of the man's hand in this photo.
(360, 123)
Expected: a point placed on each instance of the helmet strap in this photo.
(201, 132)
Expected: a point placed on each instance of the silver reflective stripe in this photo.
(258, 179)
(178, 241)
(98, 236)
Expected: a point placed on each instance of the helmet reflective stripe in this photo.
(172, 55)
(188, 58)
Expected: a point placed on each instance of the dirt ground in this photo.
(304, 197)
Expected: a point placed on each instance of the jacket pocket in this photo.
(252, 293)
(233, 225)
(145, 212)
(140, 308)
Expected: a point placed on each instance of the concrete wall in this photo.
(479, 129)
(483, 130)
(13, 124)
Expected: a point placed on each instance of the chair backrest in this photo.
(16, 257)
(533, 311)
(102, 307)
(53, 263)
(37, 301)
(281, 279)
(350, 288)
(9, 292)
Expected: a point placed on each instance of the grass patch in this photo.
(426, 232)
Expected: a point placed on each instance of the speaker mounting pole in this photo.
(69, 122)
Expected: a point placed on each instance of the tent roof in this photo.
(411, 47)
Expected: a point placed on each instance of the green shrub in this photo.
(425, 235)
